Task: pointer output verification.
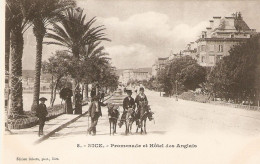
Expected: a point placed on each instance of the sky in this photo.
(143, 30)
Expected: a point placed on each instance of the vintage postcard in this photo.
(130, 82)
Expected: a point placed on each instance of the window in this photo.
(202, 59)
(211, 48)
(211, 59)
(220, 48)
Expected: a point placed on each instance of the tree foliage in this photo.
(234, 76)
(185, 72)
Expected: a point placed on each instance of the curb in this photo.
(45, 137)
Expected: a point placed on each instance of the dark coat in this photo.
(41, 111)
(128, 103)
(94, 109)
(140, 98)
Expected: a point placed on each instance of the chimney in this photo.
(204, 34)
(209, 29)
(216, 22)
(211, 23)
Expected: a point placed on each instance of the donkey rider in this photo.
(141, 97)
(128, 102)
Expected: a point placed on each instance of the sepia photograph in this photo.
(130, 81)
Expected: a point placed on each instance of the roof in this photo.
(240, 24)
(165, 58)
(137, 71)
(146, 69)
(222, 39)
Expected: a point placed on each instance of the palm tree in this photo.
(44, 13)
(17, 13)
(74, 34)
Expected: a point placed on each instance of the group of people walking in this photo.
(94, 111)
(128, 102)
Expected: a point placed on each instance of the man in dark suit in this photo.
(94, 113)
(128, 102)
(41, 113)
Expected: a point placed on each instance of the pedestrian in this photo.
(128, 102)
(102, 96)
(41, 113)
(141, 97)
(78, 104)
(94, 112)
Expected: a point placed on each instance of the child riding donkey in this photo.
(128, 103)
(141, 97)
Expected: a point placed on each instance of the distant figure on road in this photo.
(93, 92)
(102, 96)
(94, 112)
(41, 113)
(78, 103)
(66, 94)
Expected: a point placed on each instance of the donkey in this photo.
(113, 115)
(130, 118)
(143, 109)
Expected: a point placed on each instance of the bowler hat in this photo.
(141, 89)
(42, 99)
(128, 91)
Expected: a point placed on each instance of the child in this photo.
(41, 113)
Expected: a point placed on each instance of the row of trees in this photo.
(63, 68)
(63, 25)
(233, 77)
(180, 75)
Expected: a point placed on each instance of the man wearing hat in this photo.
(94, 112)
(41, 113)
(141, 97)
(128, 102)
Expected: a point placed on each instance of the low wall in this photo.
(249, 107)
(31, 120)
(204, 99)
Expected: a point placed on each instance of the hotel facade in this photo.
(222, 34)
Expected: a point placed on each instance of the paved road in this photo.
(216, 134)
(179, 117)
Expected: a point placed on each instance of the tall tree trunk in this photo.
(7, 48)
(52, 89)
(78, 100)
(75, 52)
(86, 90)
(75, 86)
(39, 32)
(7, 63)
(16, 106)
(82, 91)
(54, 92)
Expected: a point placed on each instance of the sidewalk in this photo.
(30, 135)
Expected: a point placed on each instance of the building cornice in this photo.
(221, 39)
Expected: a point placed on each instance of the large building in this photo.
(159, 64)
(190, 50)
(257, 79)
(222, 34)
(135, 74)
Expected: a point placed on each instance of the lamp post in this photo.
(176, 82)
